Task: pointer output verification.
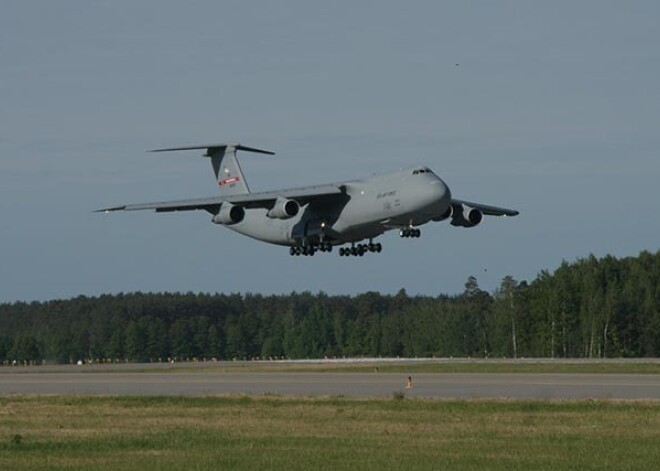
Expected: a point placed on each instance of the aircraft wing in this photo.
(302, 195)
(486, 209)
(264, 199)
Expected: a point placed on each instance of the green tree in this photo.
(157, 341)
(182, 339)
(135, 341)
(5, 345)
(25, 348)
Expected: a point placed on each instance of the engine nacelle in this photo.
(229, 214)
(283, 209)
(466, 217)
(447, 214)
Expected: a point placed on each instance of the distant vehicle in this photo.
(315, 218)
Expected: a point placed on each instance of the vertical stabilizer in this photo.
(227, 170)
(225, 165)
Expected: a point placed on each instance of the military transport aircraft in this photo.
(315, 218)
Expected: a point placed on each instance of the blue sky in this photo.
(553, 109)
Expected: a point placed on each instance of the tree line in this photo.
(591, 308)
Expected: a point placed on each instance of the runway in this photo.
(435, 385)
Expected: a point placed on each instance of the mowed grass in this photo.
(328, 433)
(431, 367)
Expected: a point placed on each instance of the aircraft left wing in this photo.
(486, 209)
(264, 199)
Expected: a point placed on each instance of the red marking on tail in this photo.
(227, 181)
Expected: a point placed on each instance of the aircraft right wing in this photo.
(264, 199)
(486, 209)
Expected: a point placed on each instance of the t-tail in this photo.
(225, 165)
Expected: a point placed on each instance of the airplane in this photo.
(317, 218)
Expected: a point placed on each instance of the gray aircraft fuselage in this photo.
(372, 206)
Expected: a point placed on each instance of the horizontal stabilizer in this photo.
(213, 148)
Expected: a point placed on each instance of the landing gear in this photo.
(378, 247)
(360, 249)
(355, 250)
(409, 232)
(310, 250)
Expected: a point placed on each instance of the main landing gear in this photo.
(310, 250)
(360, 249)
(355, 250)
(409, 232)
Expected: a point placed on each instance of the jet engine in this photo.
(229, 214)
(447, 214)
(466, 216)
(283, 209)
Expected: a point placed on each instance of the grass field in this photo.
(439, 367)
(329, 433)
(557, 366)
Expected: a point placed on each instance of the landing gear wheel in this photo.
(292, 251)
(379, 247)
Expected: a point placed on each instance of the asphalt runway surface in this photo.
(431, 385)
